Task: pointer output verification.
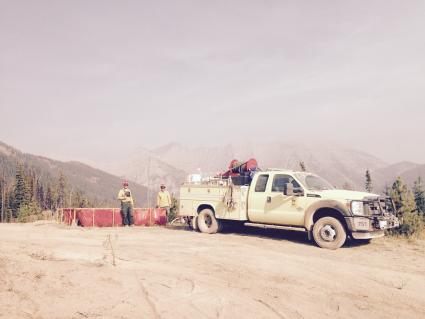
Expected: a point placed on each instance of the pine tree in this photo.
(61, 191)
(411, 223)
(368, 183)
(30, 183)
(302, 166)
(9, 207)
(20, 193)
(40, 198)
(419, 194)
(50, 198)
(402, 197)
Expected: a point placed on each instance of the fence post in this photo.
(113, 217)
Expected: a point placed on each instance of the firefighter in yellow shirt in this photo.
(163, 200)
(126, 198)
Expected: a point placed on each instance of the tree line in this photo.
(28, 194)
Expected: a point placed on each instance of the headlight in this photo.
(357, 208)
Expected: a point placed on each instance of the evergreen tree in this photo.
(40, 195)
(20, 194)
(302, 166)
(419, 194)
(50, 198)
(61, 191)
(9, 207)
(368, 183)
(402, 197)
(30, 183)
(411, 223)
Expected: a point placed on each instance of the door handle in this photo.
(269, 199)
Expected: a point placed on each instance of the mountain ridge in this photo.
(341, 165)
(100, 186)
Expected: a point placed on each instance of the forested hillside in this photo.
(30, 183)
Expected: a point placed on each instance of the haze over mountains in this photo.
(341, 165)
(171, 163)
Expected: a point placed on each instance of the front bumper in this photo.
(371, 226)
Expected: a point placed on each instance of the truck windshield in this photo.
(314, 182)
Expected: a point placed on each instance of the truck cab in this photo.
(289, 199)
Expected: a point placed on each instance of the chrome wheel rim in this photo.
(208, 221)
(328, 233)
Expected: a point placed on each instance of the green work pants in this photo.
(127, 214)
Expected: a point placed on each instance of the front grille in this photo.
(378, 206)
(374, 208)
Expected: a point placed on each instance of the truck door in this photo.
(282, 209)
(257, 199)
(273, 207)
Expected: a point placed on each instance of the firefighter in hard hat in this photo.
(163, 200)
(126, 198)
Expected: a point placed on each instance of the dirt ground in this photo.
(48, 270)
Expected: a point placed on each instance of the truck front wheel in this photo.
(207, 223)
(328, 232)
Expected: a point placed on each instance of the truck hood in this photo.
(344, 194)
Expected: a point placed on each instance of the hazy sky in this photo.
(89, 79)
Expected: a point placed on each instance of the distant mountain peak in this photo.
(168, 147)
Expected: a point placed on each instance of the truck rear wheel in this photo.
(328, 232)
(207, 223)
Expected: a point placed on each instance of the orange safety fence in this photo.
(111, 217)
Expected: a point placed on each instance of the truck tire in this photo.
(207, 223)
(328, 232)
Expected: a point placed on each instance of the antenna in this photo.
(149, 189)
(149, 181)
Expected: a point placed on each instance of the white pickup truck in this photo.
(287, 199)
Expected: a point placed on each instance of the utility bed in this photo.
(228, 200)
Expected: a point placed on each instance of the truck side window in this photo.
(261, 183)
(280, 180)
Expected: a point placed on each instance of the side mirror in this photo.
(288, 189)
(299, 191)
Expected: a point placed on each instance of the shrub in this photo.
(411, 225)
(173, 209)
(28, 213)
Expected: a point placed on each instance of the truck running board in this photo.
(267, 226)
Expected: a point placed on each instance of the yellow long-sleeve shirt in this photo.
(163, 199)
(125, 196)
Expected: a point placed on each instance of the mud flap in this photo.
(194, 223)
(310, 235)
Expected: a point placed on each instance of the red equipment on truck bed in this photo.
(240, 173)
